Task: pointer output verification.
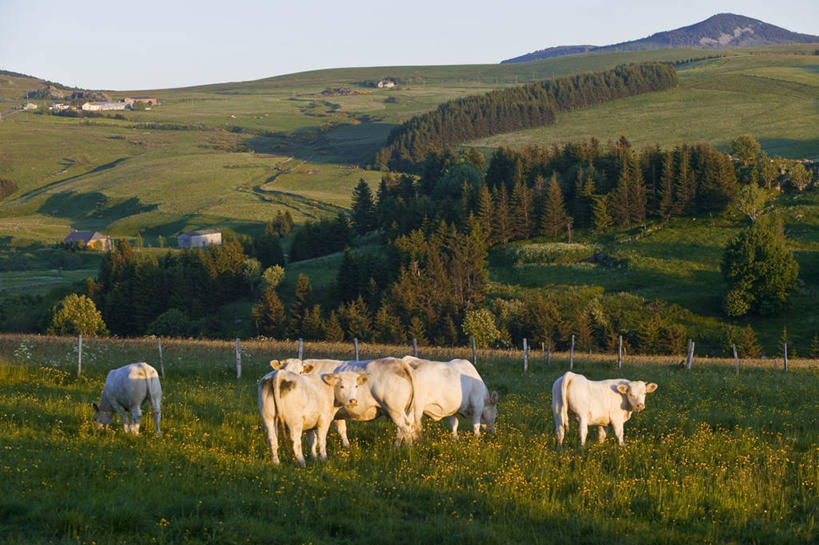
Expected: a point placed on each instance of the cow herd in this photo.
(307, 396)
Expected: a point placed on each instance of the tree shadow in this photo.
(92, 210)
(67, 163)
(348, 143)
(791, 148)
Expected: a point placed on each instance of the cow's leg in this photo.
(321, 434)
(123, 416)
(295, 438)
(453, 426)
(476, 419)
(311, 443)
(136, 419)
(618, 432)
(584, 431)
(272, 437)
(341, 428)
(601, 436)
(560, 431)
(403, 427)
(157, 416)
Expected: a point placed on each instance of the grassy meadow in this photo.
(234, 154)
(715, 457)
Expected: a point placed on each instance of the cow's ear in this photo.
(493, 399)
(306, 368)
(650, 388)
(330, 379)
(275, 364)
(622, 388)
(362, 378)
(96, 409)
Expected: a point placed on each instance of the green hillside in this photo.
(232, 155)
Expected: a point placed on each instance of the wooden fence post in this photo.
(525, 356)
(474, 352)
(784, 346)
(736, 358)
(355, 345)
(549, 353)
(690, 357)
(238, 359)
(301, 349)
(571, 355)
(79, 355)
(161, 359)
(414, 348)
(619, 351)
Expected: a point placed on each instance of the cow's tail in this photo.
(409, 413)
(564, 399)
(277, 398)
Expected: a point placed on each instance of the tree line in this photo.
(506, 110)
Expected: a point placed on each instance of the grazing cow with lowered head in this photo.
(449, 389)
(125, 390)
(596, 403)
(303, 403)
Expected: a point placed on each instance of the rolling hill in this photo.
(724, 30)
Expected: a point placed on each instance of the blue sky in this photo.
(157, 44)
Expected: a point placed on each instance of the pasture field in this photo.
(234, 154)
(715, 457)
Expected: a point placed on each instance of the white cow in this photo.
(449, 389)
(303, 403)
(389, 391)
(596, 403)
(126, 389)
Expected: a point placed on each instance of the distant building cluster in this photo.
(126, 103)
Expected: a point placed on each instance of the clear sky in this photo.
(155, 44)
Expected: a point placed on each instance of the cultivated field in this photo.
(715, 457)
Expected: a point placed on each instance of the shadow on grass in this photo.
(92, 210)
(349, 143)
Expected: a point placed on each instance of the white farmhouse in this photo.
(200, 238)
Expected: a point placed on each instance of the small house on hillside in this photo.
(30, 106)
(200, 238)
(386, 83)
(89, 239)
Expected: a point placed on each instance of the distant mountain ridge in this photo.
(722, 31)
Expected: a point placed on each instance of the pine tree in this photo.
(502, 220)
(301, 306)
(554, 218)
(313, 327)
(387, 327)
(618, 202)
(363, 216)
(268, 315)
(814, 346)
(665, 206)
(637, 200)
(747, 343)
(334, 332)
(485, 211)
(601, 220)
(417, 331)
(522, 211)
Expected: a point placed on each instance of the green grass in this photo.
(768, 95)
(714, 458)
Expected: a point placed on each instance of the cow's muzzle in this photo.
(352, 403)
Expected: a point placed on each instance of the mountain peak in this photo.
(720, 31)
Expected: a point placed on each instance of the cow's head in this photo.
(490, 413)
(102, 419)
(294, 365)
(635, 393)
(345, 386)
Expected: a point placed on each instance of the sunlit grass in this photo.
(714, 458)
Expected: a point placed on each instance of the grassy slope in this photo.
(771, 96)
(298, 150)
(714, 458)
